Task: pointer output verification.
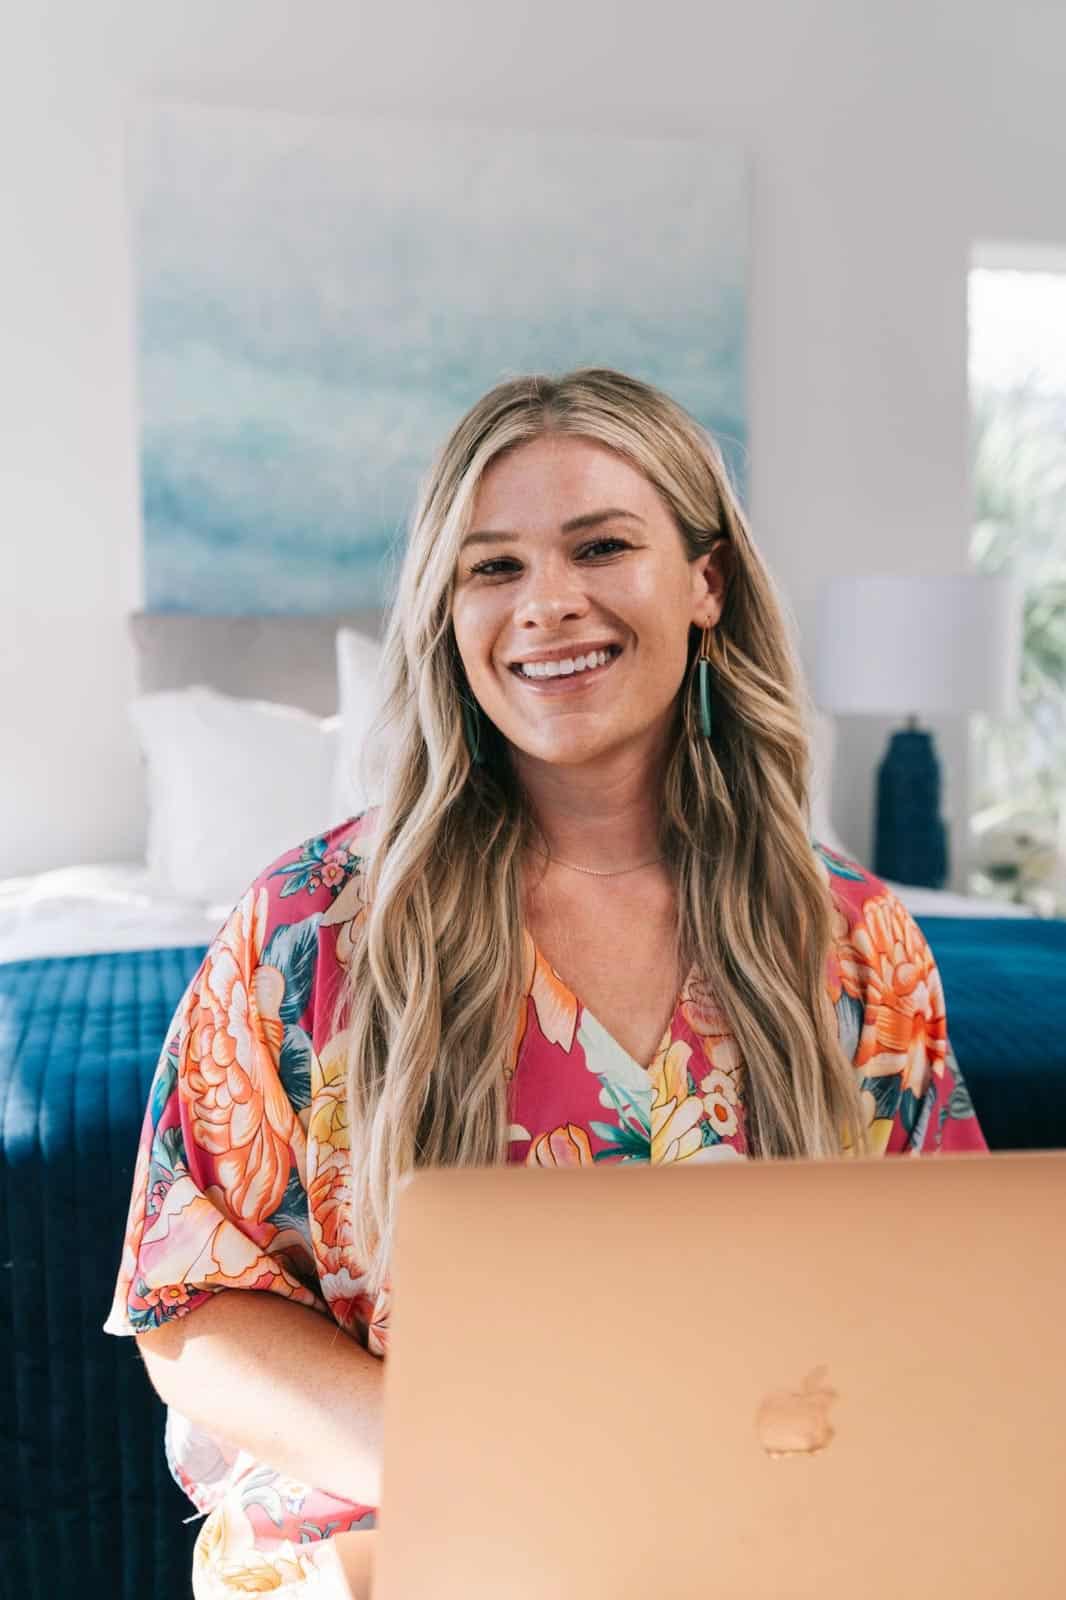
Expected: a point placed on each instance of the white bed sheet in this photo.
(942, 903)
(85, 909)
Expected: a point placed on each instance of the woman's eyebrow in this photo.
(588, 519)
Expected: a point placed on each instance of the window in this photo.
(1017, 311)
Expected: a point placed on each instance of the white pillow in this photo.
(357, 781)
(232, 784)
(823, 740)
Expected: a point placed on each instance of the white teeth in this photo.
(565, 668)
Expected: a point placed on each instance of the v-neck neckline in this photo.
(583, 1009)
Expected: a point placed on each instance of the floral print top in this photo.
(241, 1178)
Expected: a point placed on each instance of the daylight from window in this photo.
(1017, 322)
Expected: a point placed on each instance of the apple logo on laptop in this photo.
(795, 1422)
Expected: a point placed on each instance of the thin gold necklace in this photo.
(595, 872)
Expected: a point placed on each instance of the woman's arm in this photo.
(355, 1553)
(280, 1381)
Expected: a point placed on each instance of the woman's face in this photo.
(545, 576)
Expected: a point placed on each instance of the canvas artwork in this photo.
(319, 301)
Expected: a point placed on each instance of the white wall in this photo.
(886, 140)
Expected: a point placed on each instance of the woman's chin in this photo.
(561, 752)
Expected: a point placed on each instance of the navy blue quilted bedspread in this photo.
(1005, 993)
(88, 1505)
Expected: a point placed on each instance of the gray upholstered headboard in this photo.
(290, 660)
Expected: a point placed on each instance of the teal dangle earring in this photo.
(472, 730)
(703, 684)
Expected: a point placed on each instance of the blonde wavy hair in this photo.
(430, 999)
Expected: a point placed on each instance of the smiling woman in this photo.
(574, 639)
(587, 923)
(612, 588)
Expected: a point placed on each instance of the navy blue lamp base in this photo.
(911, 840)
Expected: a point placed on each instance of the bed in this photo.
(93, 960)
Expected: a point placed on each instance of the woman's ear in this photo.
(711, 574)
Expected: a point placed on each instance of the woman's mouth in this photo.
(568, 675)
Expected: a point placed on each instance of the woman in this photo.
(586, 923)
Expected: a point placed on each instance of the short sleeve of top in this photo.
(892, 1022)
(241, 1178)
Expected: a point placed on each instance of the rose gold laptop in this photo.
(745, 1379)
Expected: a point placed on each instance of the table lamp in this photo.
(910, 645)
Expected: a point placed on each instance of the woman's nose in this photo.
(549, 611)
(551, 598)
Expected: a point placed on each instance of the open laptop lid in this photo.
(801, 1378)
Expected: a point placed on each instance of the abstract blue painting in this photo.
(320, 299)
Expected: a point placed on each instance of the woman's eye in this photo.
(489, 569)
(603, 545)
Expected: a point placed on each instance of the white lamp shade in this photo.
(893, 645)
